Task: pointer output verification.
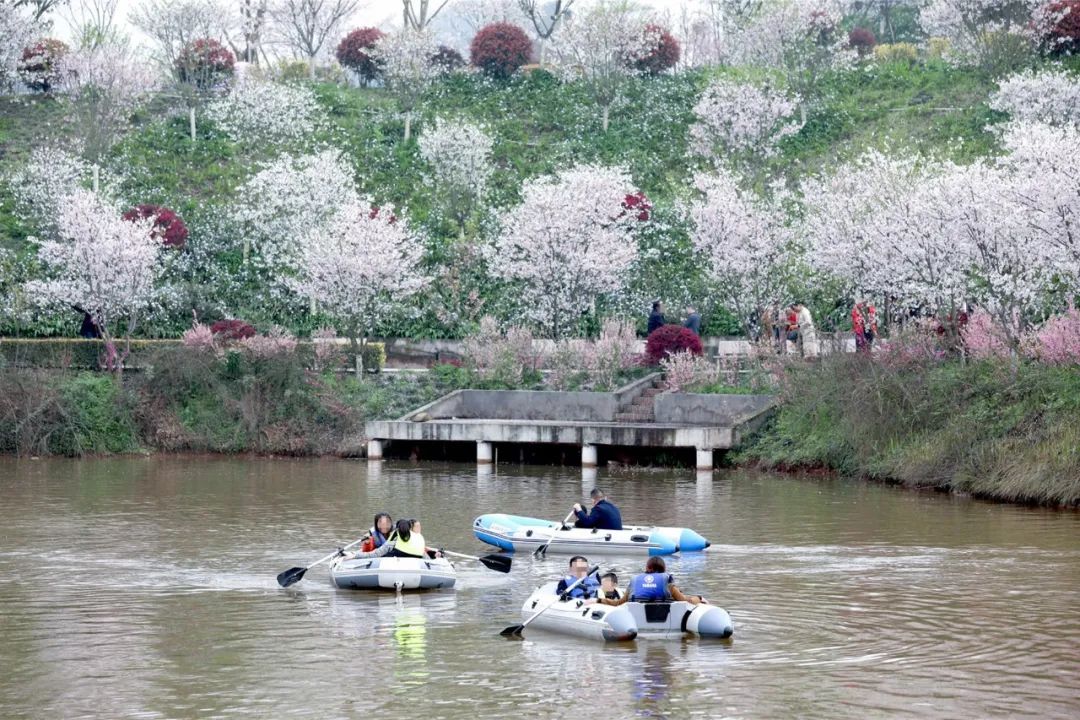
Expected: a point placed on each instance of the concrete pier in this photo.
(704, 458)
(588, 456)
(483, 453)
(374, 450)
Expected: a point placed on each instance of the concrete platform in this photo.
(563, 432)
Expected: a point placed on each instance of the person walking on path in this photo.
(656, 317)
(693, 320)
(864, 325)
(807, 333)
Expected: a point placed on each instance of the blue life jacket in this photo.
(650, 587)
(585, 590)
(377, 537)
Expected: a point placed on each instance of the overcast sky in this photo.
(380, 13)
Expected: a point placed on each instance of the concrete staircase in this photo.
(640, 408)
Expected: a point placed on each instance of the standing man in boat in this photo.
(579, 566)
(603, 515)
(654, 585)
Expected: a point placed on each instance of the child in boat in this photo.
(609, 586)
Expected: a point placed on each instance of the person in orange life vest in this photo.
(379, 532)
(654, 585)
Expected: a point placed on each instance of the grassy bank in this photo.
(992, 429)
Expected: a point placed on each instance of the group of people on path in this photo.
(656, 318)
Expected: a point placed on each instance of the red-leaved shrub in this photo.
(448, 59)
(232, 329)
(639, 204)
(1064, 35)
(663, 57)
(353, 52)
(39, 64)
(204, 63)
(668, 339)
(861, 40)
(499, 49)
(168, 227)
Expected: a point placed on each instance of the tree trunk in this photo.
(607, 111)
(311, 67)
(408, 125)
(191, 123)
(97, 178)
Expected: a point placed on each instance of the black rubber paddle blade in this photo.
(498, 563)
(290, 576)
(512, 631)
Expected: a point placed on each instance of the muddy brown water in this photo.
(144, 588)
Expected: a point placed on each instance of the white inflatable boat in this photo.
(627, 621)
(515, 532)
(392, 573)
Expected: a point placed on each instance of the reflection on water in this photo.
(145, 588)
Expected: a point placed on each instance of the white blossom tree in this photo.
(259, 112)
(742, 122)
(459, 153)
(997, 34)
(598, 48)
(40, 187)
(280, 204)
(749, 252)
(407, 68)
(103, 85)
(101, 264)
(1049, 96)
(359, 266)
(307, 26)
(16, 32)
(569, 242)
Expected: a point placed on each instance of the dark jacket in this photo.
(656, 319)
(694, 323)
(603, 516)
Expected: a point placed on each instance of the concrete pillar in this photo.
(374, 449)
(704, 459)
(483, 453)
(588, 456)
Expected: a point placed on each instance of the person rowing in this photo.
(579, 568)
(654, 585)
(406, 540)
(603, 515)
(379, 533)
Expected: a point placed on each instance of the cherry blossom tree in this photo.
(258, 112)
(742, 122)
(407, 67)
(362, 264)
(997, 34)
(40, 187)
(459, 153)
(104, 265)
(281, 203)
(103, 85)
(569, 242)
(749, 252)
(1048, 96)
(599, 48)
(16, 32)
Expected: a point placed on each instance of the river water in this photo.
(144, 588)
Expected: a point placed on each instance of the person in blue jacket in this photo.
(579, 566)
(654, 585)
(602, 516)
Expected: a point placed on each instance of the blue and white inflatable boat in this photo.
(518, 533)
(662, 621)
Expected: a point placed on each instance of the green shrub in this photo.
(97, 419)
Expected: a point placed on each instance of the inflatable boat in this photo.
(392, 573)
(664, 620)
(514, 532)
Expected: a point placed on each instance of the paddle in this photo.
(516, 629)
(498, 563)
(542, 550)
(295, 574)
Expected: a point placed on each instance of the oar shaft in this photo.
(593, 569)
(461, 555)
(542, 550)
(334, 554)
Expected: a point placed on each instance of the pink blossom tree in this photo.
(104, 265)
(360, 266)
(569, 242)
(745, 243)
